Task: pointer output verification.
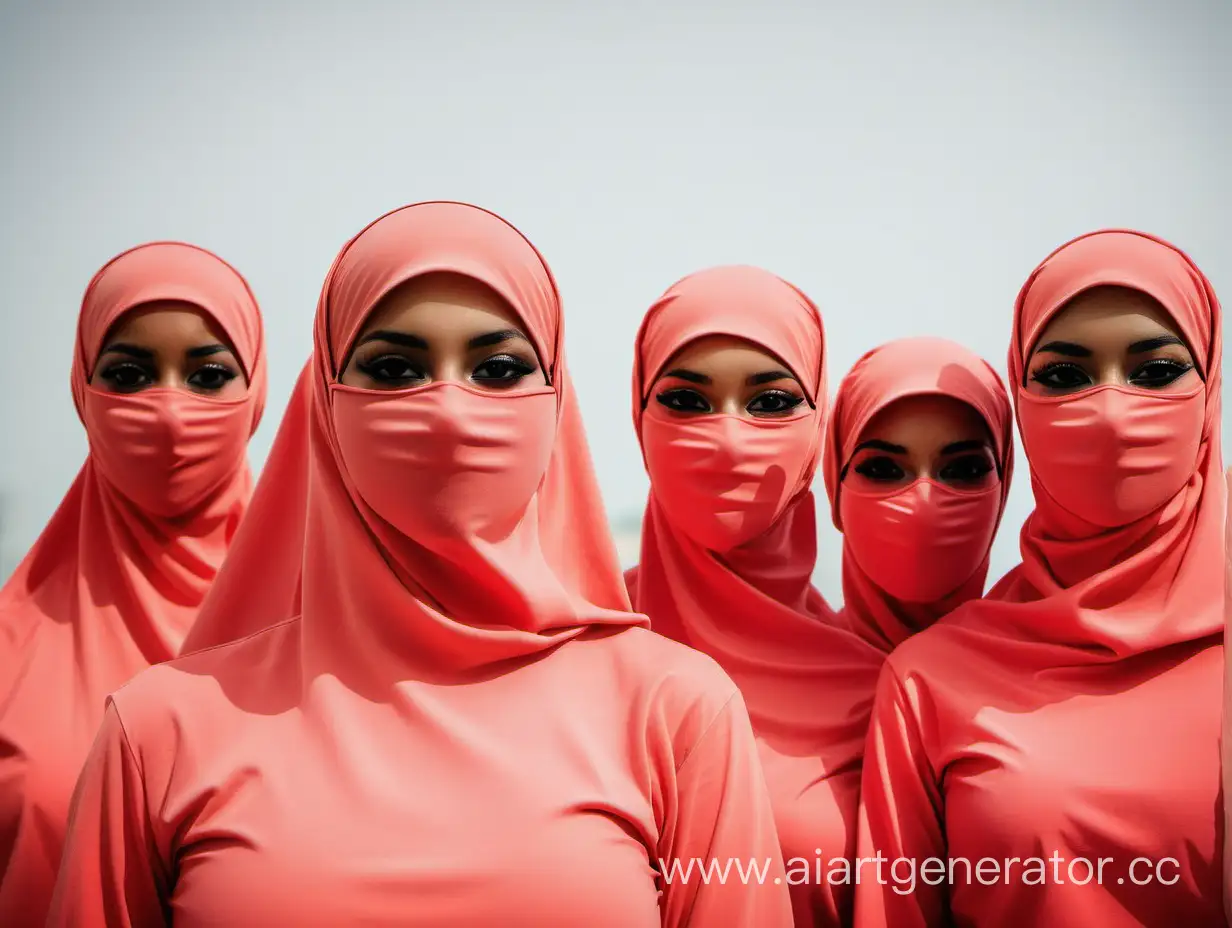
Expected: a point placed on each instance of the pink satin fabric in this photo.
(465, 726)
(914, 554)
(752, 607)
(114, 582)
(1075, 710)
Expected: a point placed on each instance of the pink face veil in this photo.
(912, 554)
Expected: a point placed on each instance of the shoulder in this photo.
(210, 687)
(668, 686)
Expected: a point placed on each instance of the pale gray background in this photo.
(906, 164)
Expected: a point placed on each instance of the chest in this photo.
(1095, 765)
(421, 817)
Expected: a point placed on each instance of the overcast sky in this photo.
(907, 167)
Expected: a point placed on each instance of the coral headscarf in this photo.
(1114, 593)
(808, 684)
(111, 587)
(469, 602)
(899, 369)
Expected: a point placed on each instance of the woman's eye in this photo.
(774, 402)
(504, 369)
(1061, 375)
(390, 368)
(1159, 372)
(968, 469)
(212, 377)
(127, 376)
(880, 469)
(681, 400)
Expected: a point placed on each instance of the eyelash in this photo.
(674, 399)
(1043, 374)
(882, 469)
(116, 374)
(378, 369)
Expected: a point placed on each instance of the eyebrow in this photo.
(768, 377)
(878, 445)
(1069, 349)
(1150, 344)
(206, 351)
(414, 341)
(395, 338)
(131, 350)
(971, 444)
(495, 338)
(691, 376)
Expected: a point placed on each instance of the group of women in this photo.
(404, 682)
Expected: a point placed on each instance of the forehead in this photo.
(1109, 317)
(926, 421)
(719, 355)
(166, 321)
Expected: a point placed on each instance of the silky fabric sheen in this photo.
(113, 583)
(914, 554)
(922, 542)
(807, 683)
(458, 729)
(261, 582)
(477, 459)
(167, 449)
(1075, 710)
(1117, 454)
(724, 480)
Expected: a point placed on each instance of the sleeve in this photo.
(111, 874)
(901, 855)
(720, 861)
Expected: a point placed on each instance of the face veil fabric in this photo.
(465, 725)
(114, 582)
(900, 369)
(752, 608)
(1072, 716)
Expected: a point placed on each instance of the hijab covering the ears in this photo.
(1075, 710)
(462, 727)
(808, 684)
(261, 582)
(110, 587)
(899, 369)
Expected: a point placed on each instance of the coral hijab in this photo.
(808, 684)
(1075, 708)
(114, 582)
(955, 528)
(549, 578)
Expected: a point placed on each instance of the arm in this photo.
(723, 821)
(900, 818)
(111, 874)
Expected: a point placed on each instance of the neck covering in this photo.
(1114, 592)
(381, 605)
(111, 587)
(807, 683)
(903, 368)
(260, 584)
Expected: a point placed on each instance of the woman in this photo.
(728, 403)
(918, 457)
(1049, 755)
(465, 725)
(169, 379)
